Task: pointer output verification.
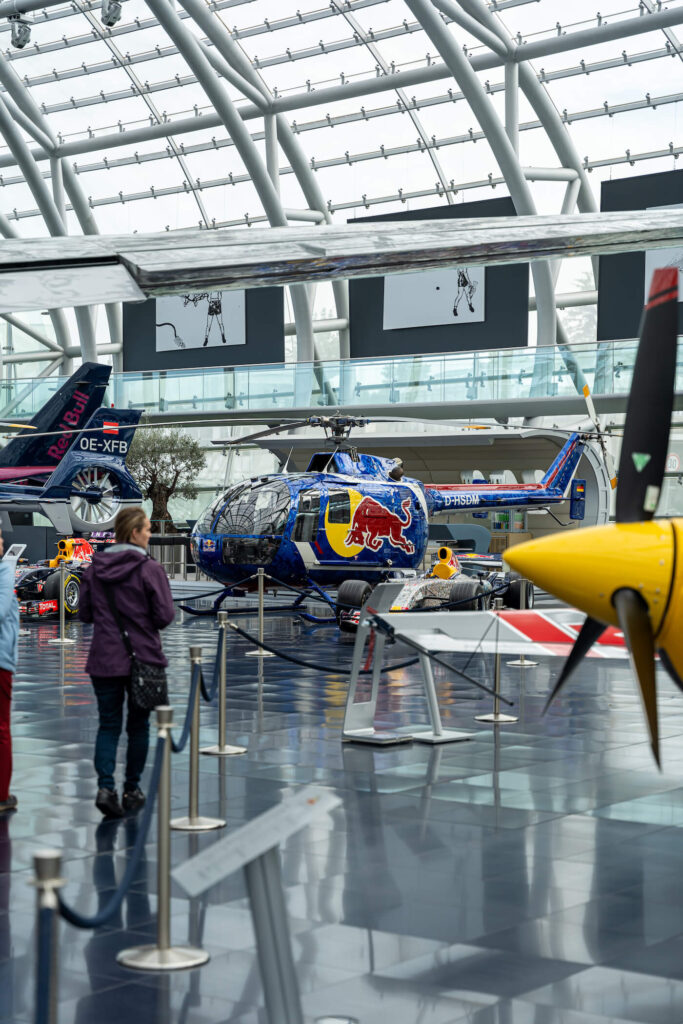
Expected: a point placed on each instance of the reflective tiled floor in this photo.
(531, 875)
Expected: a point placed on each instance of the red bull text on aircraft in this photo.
(349, 515)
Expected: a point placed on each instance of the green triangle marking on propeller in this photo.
(640, 460)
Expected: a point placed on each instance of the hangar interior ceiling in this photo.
(239, 112)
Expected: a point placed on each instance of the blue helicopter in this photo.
(350, 516)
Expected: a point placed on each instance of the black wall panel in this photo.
(506, 308)
(265, 331)
(621, 295)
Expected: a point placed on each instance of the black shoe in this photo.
(10, 804)
(133, 800)
(107, 801)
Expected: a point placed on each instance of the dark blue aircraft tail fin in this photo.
(56, 425)
(92, 477)
(560, 473)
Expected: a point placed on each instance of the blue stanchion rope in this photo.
(179, 746)
(43, 979)
(114, 903)
(209, 694)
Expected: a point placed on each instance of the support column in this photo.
(234, 56)
(464, 74)
(512, 104)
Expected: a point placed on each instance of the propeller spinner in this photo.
(626, 574)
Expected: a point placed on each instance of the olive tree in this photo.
(166, 463)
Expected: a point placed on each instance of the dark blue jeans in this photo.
(110, 692)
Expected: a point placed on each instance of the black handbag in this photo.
(148, 687)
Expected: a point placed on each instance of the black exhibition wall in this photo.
(505, 300)
(621, 292)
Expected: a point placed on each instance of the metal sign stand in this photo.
(259, 652)
(254, 847)
(359, 716)
(62, 639)
(223, 749)
(271, 927)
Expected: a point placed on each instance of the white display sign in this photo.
(200, 320)
(296, 811)
(656, 258)
(432, 298)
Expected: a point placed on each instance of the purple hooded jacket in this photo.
(143, 597)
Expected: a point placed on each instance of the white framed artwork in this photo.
(200, 320)
(655, 258)
(434, 298)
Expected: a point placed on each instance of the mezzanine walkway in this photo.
(522, 382)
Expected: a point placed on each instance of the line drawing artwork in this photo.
(214, 312)
(450, 296)
(200, 320)
(466, 289)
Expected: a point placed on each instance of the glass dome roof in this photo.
(378, 121)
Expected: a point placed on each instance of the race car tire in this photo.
(72, 591)
(517, 588)
(351, 594)
(469, 596)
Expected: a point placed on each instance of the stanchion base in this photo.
(447, 736)
(259, 653)
(226, 751)
(378, 738)
(198, 824)
(151, 958)
(61, 642)
(496, 719)
(522, 664)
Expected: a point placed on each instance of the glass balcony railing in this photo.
(497, 375)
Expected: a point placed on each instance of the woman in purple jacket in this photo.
(143, 598)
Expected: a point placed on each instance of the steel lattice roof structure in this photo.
(233, 113)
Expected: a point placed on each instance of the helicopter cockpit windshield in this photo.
(252, 520)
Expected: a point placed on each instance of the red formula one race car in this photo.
(37, 586)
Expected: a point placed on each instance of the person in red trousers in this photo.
(9, 633)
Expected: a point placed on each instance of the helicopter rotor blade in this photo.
(281, 427)
(637, 629)
(648, 417)
(591, 631)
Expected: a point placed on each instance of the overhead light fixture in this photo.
(111, 12)
(21, 30)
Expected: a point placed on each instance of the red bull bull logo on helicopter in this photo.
(373, 523)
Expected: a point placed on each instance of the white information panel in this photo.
(200, 320)
(656, 258)
(269, 829)
(432, 298)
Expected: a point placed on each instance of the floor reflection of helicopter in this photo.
(349, 517)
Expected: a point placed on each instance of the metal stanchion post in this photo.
(47, 866)
(521, 662)
(163, 956)
(223, 749)
(194, 822)
(259, 652)
(497, 718)
(62, 638)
